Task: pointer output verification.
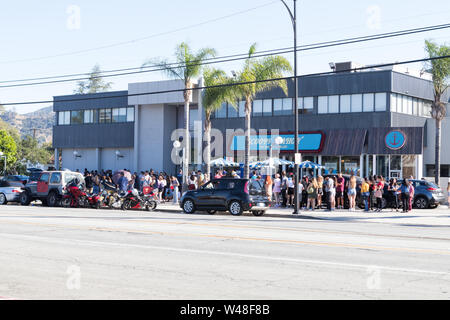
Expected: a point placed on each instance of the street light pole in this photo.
(294, 25)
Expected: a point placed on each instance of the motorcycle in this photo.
(74, 195)
(134, 200)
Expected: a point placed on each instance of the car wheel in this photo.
(211, 211)
(188, 206)
(52, 199)
(421, 202)
(258, 213)
(235, 208)
(44, 202)
(3, 199)
(24, 198)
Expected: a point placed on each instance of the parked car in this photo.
(427, 194)
(234, 195)
(10, 191)
(16, 178)
(49, 187)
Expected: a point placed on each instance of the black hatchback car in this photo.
(234, 195)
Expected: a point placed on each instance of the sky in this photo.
(58, 37)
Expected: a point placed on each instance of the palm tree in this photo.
(213, 99)
(440, 70)
(188, 66)
(254, 71)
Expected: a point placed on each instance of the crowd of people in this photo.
(314, 192)
(166, 186)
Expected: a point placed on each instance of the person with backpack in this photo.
(312, 194)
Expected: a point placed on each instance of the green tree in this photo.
(256, 70)
(188, 66)
(213, 98)
(9, 149)
(95, 83)
(440, 70)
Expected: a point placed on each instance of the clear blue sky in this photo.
(36, 29)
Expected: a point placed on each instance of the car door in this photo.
(42, 184)
(55, 181)
(223, 191)
(205, 193)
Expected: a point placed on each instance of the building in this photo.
(375, 121)
(122, 129)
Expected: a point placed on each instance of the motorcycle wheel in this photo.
(65, 202)
(150, 205)
(126, 205)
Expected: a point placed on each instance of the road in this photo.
(55, 253)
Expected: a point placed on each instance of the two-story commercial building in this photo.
(375, 121)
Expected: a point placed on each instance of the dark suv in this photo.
(234, 195)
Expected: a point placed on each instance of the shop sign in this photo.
(395, 140)
(307, 142)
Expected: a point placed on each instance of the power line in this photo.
(234, 57)
(233, 84)
(144, 38)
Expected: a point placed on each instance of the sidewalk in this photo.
(426, 218)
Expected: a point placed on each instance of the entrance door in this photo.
(395, 166)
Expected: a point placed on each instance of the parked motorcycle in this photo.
(134, 200)
(74, 195)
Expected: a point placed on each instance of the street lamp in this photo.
(176, 145)
(294, 25)
(4, 158)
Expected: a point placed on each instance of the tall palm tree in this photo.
(440, 70)
(188, 66)
(255, 70)
(213, 99)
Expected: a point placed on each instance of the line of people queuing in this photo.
(314, 192)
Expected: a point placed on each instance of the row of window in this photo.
(364, 102)
(409, 105)
(110, 115)
(367, 102)
(266, 108)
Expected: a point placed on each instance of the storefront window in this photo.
(383, 166)
(350, 165)
(408, 166)
(331, 165)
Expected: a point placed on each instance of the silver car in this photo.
(10, 191)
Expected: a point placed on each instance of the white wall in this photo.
(109, 160)
(150, 137)
(428, 153)
(87, 159)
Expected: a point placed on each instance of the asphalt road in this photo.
(56, 253)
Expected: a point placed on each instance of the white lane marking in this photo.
(208, 252)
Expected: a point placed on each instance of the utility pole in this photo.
(294, 25)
